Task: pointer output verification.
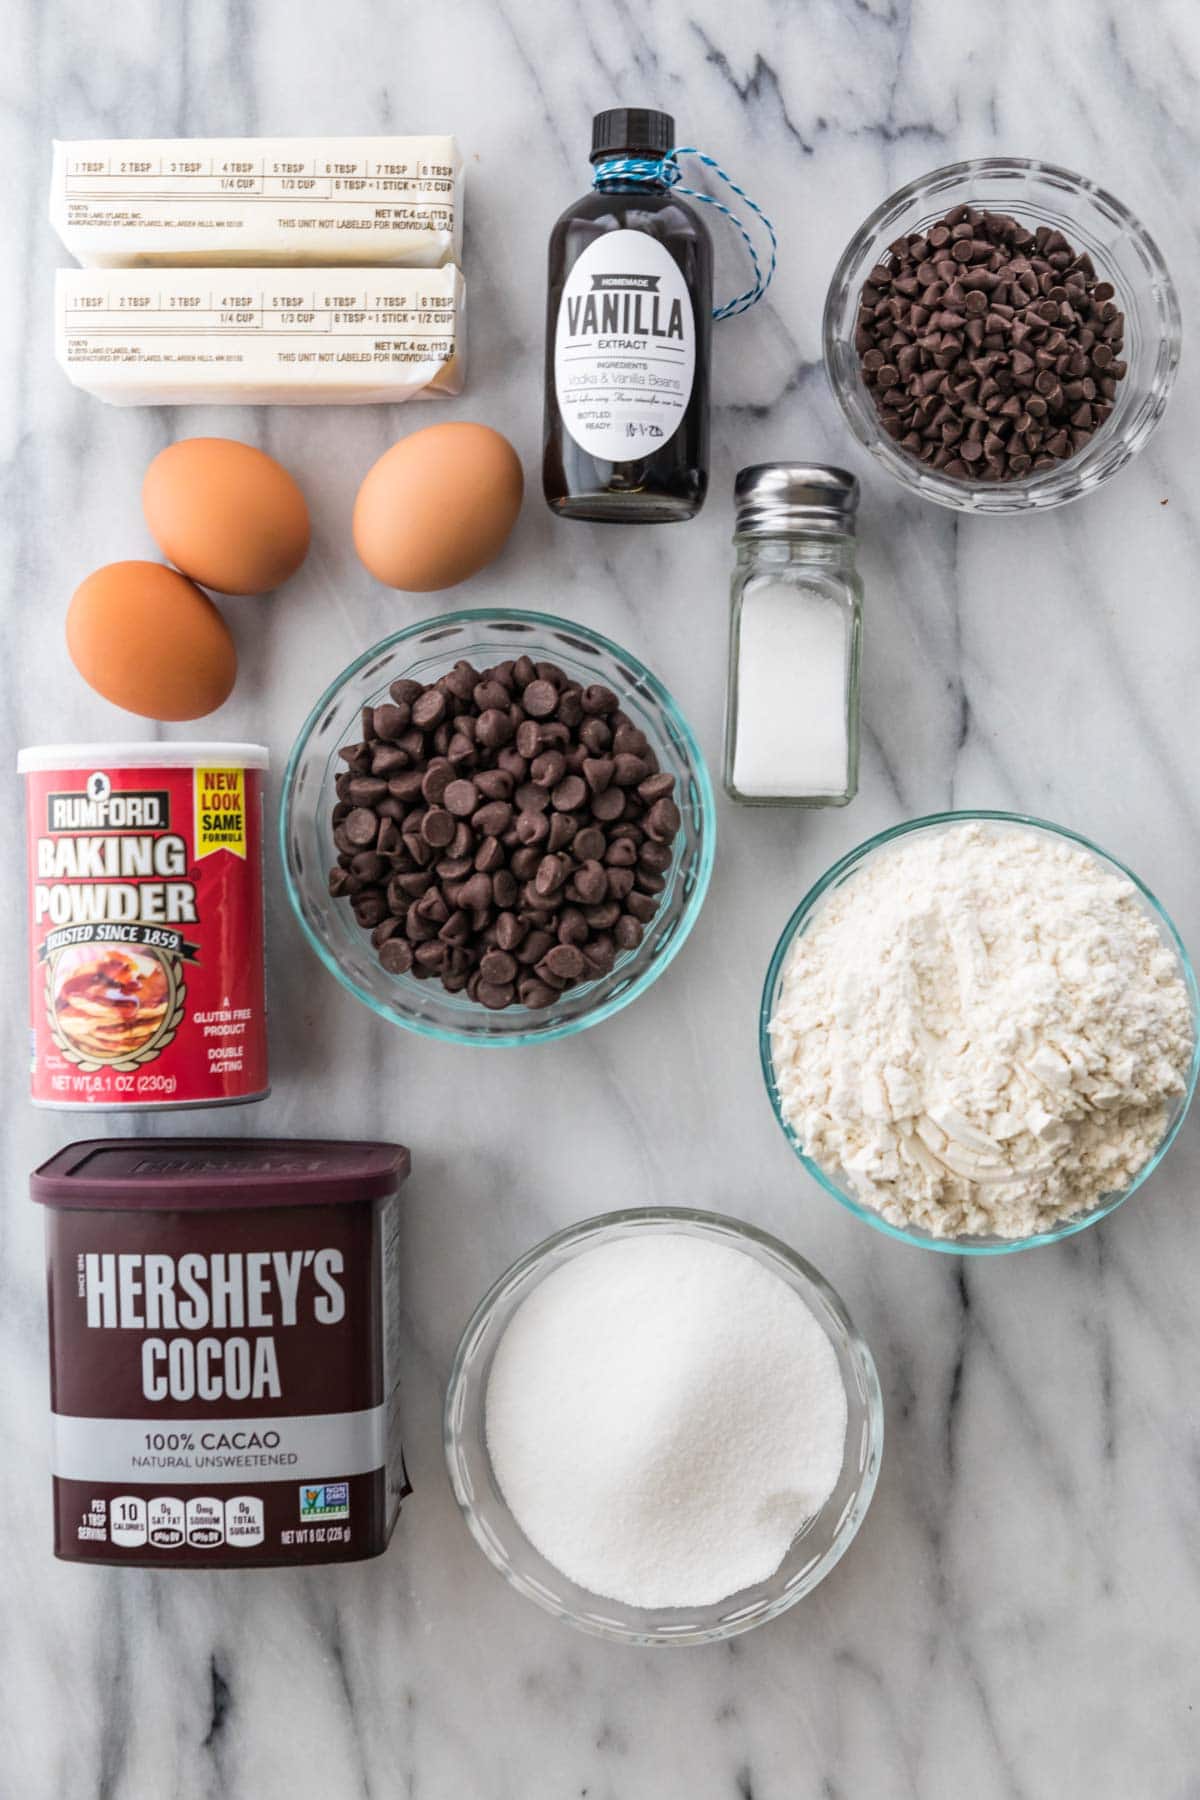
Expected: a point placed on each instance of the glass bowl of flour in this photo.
(979, 1032)
(663, 1427)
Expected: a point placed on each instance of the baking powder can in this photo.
(146, 924)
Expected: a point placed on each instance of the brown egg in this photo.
(226, 514)
(438, 506)
(148, 640)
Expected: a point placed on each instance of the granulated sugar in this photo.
(663, 1415)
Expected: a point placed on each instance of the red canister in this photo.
(224, 1349)
(146, 924)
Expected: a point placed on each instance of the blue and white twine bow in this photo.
(652, 171)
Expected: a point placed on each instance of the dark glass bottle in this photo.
(628, 332)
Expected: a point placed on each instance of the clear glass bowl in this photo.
(815, 1549)
(801, 920)
(422, 652)
(1091, 219)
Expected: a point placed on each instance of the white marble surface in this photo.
(1020, 1616)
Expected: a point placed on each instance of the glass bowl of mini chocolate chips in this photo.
(1003, 335)
(497, 827)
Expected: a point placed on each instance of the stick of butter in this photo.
(254, 202)
(260, 337)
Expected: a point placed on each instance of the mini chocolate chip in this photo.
(570, 794)
(535, 947)
(565, 962)
(656, 787)
(548, 769)
(396, 956)
(595, 736)
(494, 729)
(493, 818)
(591, 883)
(360, 828)
(663, 820)
(429, 709)
(370, 906)
(609, 805)
(537, 994)
(437, 827)
(498, 968)
(509, 931)
(628, 932)
(436, 779)
(461, 798)
(540, 699)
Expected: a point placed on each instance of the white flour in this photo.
(981, 1030)
(663, 1414)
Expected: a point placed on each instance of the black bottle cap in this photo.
(632, 131)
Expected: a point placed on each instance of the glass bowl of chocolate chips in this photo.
(1003, 335)
(497, 827)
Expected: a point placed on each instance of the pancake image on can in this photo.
(113, 1006)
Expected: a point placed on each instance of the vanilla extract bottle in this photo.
(628, 334)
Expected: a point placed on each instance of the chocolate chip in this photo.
(497, 997)
(569, 795)
(535, 994)
(461, 798)
(429, 709)
(540, 699)
(950, 345)
(513, 870)
(494, 728)
(548, 769)
(396, 956)
(565, 962)
(609, 805)
(663, 821)
(437, 827)
(498, 968)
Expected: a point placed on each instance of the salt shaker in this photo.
(791, 720)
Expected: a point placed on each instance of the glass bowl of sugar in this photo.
(662, 1426)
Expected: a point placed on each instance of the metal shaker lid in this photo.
(775, 498)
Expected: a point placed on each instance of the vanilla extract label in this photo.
(625, 347)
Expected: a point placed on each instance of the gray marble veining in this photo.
(1020, 1617)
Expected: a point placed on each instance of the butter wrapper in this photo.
(258, 202)
(260, 337)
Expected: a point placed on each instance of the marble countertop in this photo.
(1020, 1616)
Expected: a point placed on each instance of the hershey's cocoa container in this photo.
(146, 924)
(223, 1350)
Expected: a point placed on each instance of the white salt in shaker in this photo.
(791, 720)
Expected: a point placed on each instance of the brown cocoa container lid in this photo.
(203, 1174)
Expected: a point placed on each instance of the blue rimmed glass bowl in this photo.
(422, 652)
(802, 919)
